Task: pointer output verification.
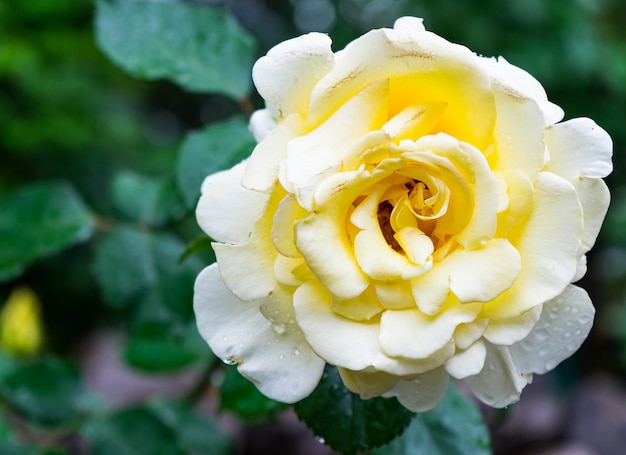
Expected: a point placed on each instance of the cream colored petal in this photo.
(262, 122)
(367, 385)
(579, 148)
(282, 366)
(376, 258)
(312, 157)
(499, 383)
(411, 334)
(323, 240)
(263, 165)
(563, 326)
(349, 344)
(520, 195)
(283, 229)
(518, 132)
(247, 267)
(290, 70)
(394, 295)
(226, 210)
(361, 308)
(416, 245)
(581, 152)
(422, 393)
(413, 60)
(468, 362)
(595, 198)
(467, 334)
(286, 270)
(522, 83)
(548, 246)
(505, 332)
(409, 23)
(473, 276)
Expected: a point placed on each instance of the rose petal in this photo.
(505, 332)
(473, 276)
(312, 157)
(548, 246)
(290, 70)
(452, 73)
(564, 324)
(251, 259)
(499, 383)
(516, 147)
(367, 385)
(263, 164)
(468, 362)
(226, 210)
(349, 344)
(282, 366)
(422, 393)
(414, 335)
(525, 85)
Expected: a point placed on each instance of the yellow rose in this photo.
(412, 212)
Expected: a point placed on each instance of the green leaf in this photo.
(135, 431)
(38, 221)
(195, 432)
(347, 423)
(455, 427)
(200, 245)
(47, 391)
(145, 200)
(241, 397)
(164, 351)
(217, 147)
(140, 270)
(202, 49)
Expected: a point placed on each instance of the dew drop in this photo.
(543, 352)
(224, 338)
(567, 334)
(279, 328)
(296, 351)
(229, 361)
(542, 334)
(321, 440)
(281, 357)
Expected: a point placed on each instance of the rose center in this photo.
(384, 220)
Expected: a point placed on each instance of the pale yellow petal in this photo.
(499, 384)
(468, 362)
(286, 76)
(563, 326)
(412, 334)
(227, 211)
(367, 384)
(281, 366)
(422, 393)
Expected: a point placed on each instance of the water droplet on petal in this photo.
(321, 440)
(296, 351)
(229, 361)
(279, 328)
(224, 338)
(281, 357)
(542, 334)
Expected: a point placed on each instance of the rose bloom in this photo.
(412, 212)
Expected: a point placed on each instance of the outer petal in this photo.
(368, 385)
(422, 393)
(227, 211)
(290, 70)
(563, 326)
(525, 85)
(548, 246)
(505, 332)
(499, 383)
(581, 152)
(282, 366)
(252, 259)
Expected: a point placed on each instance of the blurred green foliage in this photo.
(100, 173)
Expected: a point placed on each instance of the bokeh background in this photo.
(68, 114)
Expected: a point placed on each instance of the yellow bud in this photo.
(21, 331)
